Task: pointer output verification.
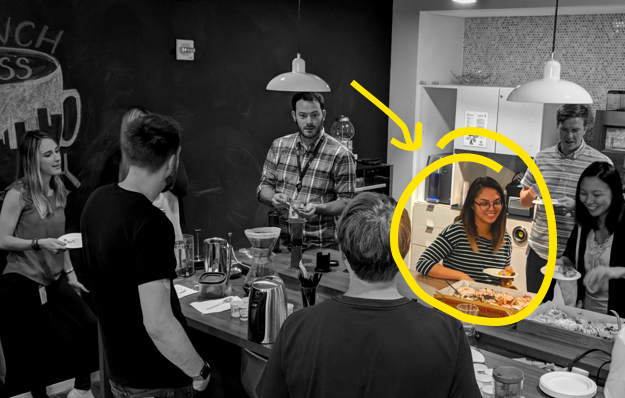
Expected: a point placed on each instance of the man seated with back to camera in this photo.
(371, 341)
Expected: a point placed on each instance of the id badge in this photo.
(43, 295)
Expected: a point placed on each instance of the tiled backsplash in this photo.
(590, 48)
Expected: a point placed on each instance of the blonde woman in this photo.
(475, 241)
(39, 283)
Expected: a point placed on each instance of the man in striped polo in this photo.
(561, 166)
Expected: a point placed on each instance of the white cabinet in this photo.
(471, 102)
(428, 221)
(531, 126)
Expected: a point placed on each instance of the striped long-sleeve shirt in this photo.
(452, 248)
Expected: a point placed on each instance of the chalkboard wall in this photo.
(116, 54)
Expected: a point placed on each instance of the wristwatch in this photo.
(204, 373)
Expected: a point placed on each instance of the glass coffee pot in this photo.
(262, 239)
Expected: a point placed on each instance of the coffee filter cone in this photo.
(262, 237)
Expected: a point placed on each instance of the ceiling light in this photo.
(551, 89)
(298, 80)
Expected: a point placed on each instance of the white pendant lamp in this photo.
(298, 80)
(551, 89)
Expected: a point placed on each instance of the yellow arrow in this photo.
(409, 145)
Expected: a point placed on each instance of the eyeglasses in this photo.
(485, 206)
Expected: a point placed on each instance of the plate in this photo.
(567, 385)
(554, 202)
(560, 276)
(483, 378)
(480, 367)
(495, 272)
(478, 357)
(73, 241)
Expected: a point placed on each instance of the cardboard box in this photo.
(486, 310)
(566, 336)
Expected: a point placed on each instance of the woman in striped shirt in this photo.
(475, 241)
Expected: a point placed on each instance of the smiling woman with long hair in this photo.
(39, 283)
(594, 246)
(475, 241)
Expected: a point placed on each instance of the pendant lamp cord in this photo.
(299, 3)
(555, 24)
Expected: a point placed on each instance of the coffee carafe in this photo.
(217, 256)
(262, 240)
(267, 309)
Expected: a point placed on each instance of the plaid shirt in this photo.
(331, 176)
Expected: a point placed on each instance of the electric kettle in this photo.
(267, 309)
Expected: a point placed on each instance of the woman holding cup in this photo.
(593, 247)
(39, 283)
(475, 241)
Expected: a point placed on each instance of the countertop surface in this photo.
(492, 341)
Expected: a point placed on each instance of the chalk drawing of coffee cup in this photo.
(31, 92)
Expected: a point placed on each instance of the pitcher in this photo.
(217, 256)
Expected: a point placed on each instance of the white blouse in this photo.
(597, 255)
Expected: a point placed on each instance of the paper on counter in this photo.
(211, 306)
(183, 291)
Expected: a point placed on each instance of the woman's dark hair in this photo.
(467, 214)
(608, 174)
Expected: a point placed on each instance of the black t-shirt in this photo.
(353, 347)
(128, 242)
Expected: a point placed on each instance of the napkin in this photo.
(211, 306)
(183, 291)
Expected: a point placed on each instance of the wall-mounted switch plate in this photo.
(184, 50)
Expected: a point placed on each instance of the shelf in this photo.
(370, 187)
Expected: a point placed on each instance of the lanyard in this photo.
(302, 173)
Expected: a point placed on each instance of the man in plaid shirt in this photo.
(311, 167)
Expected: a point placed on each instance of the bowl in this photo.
(212, 285)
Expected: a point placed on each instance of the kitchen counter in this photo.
(492, 342)
(515, 343)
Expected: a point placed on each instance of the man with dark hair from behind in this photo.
(370, 342)
(128, 249)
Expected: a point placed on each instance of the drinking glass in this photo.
(469, 328)
(274, 221)
(183, 249)
(296, 232)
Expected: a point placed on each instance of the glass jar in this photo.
(343, 130)
(508, 382)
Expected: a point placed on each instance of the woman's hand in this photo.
(72, 280)
(52, 245)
